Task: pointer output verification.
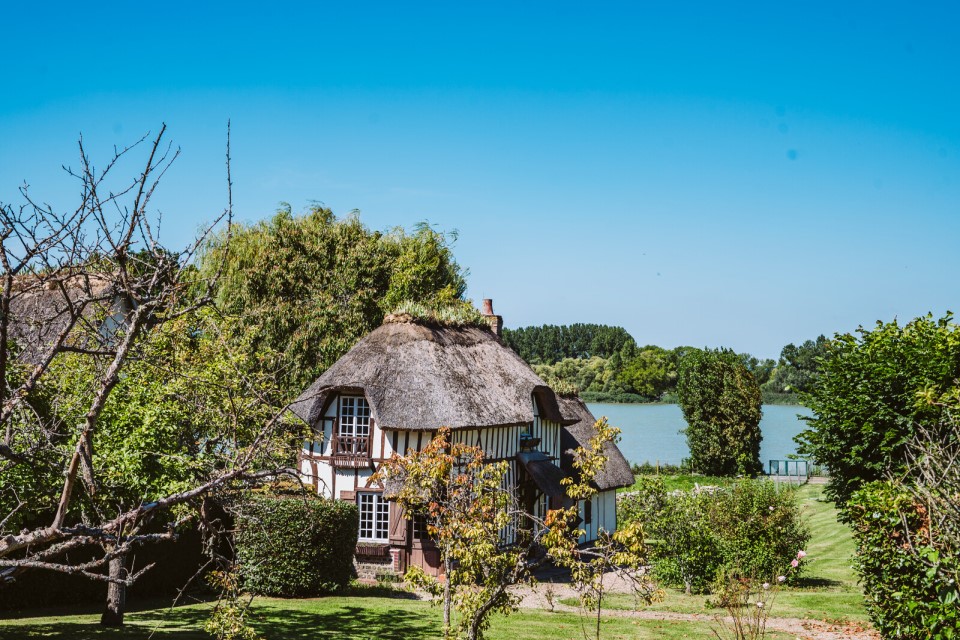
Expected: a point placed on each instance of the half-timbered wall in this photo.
(332, 478)
(340, 477)
(603, 515)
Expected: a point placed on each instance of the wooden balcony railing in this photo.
(351, 451)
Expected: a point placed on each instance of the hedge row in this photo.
(296, 546)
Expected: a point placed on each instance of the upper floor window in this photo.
(353, 430)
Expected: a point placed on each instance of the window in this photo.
(374, 517)
(418, 528)
(353, 433)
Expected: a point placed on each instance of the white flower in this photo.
(781, 579)
(766, 585)
(759, 604)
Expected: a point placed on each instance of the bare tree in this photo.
(93, 283)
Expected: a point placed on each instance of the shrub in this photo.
(905, 594)
(296, 546)
(760, 528)
(872, 393)
(721, 404)
(752, 528)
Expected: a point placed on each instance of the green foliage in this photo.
(797, 368)
(601, 396)
(651, 372)
(455, 314)
(752, 528)
(906, 595)
(184, 406)
(228, 619)
(296, 546)
(872, 392)
(721, 403)
(550, 344)
(460, 495)
(306, 288)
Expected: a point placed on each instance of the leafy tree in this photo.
(549, 344)
(762, 370)
(797, 368)
(872, 392)
(651, 372)
(467, 508)
(721, 401)
(461, 498)
(306, 288)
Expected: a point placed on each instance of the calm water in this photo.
(651, 432)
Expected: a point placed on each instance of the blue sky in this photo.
(735, 174)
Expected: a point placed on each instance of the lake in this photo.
(651, 432)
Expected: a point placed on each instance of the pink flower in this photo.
(781, 579)
(794, 563)
(801, 554)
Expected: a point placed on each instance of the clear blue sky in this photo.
(719, 174)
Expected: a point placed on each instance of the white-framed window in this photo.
(353, 430)
(374, 517)
(354, 416)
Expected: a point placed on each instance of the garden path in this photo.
(546, 596)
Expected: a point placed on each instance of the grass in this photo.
(350, 617)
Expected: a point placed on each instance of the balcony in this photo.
(351, 451)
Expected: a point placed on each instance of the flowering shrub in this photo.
(700, 538)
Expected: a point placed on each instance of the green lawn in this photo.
(354, 617)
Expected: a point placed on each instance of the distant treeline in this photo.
(605, 364)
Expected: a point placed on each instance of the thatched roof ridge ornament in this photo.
(418, 375)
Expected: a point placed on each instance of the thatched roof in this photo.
(617, 471)
(418, 376)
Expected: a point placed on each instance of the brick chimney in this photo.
(495, 321)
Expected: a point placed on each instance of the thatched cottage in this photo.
(402, 382)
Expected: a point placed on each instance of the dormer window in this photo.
(353, 428)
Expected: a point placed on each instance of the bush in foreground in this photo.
(901, 569)
(753, 528)
(296, 546)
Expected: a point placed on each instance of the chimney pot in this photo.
(495, 321)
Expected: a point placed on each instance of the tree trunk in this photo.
(116, 594)
(447, 595)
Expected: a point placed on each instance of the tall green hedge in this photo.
(296, 546)
(905, 595)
